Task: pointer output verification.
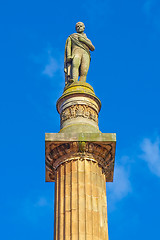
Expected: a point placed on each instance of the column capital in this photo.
(65, 147)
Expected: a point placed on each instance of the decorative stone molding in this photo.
(102, 152)
(80, 91)
(79, 111)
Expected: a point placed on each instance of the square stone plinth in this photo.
(63, 147)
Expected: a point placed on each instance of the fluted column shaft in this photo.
(80, 202)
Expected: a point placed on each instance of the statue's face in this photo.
(80, 27)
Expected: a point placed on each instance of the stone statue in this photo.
(77, 55)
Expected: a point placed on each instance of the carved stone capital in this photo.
(61, 148)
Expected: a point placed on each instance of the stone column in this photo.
(80, 202)
(80, 159)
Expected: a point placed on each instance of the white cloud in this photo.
(151, 154)
(147, 7)
(41, 202)
(35, 209)
(52, 66)
(121, 185)
(151, 9)
(50, 61)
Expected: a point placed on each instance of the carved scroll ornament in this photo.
(76, 111)
(58, 154)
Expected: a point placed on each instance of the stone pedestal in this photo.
(79, 108)
(80, 159)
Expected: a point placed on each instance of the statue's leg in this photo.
(84, 67)
(75, 67)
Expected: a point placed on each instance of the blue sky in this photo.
(125, 74)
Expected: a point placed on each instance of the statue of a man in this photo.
(77, 55)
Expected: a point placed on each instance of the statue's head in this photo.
(80, 27)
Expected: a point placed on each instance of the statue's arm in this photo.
(69, 50)
(87, 42)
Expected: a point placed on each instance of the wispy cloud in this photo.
(151, 154)
(35, 209)
(50, 61)
(151, 9)
(47, 80)
(52, 65)
(41, 202)
(147, 7)
(121, 185)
